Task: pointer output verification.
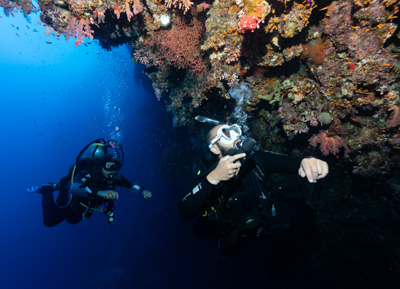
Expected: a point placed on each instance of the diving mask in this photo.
(227, 134)
(112, 166)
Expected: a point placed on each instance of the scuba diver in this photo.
(88, 187)
(233, 189)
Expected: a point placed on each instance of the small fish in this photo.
(34, 30)
(17, 33)
(48, 42)
(27, 26)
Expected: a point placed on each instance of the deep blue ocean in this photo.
(55, 99)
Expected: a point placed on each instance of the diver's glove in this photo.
(141, 190)
(147, 194)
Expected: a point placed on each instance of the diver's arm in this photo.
(124, 182)
(79, 189)
(193, 201)
(278, 163)
(226, 169)
(312, 168)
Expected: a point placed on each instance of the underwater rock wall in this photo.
(326, 72)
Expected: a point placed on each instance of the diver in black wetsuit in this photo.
(234, 193)
(89, 186)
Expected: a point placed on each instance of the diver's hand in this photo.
(147, 194)
(314, 169)
(141, 190)
(108, 195)
(227, 168)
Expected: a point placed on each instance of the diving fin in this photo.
(46, 188)
(33, 189)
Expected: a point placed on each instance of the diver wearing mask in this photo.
(88, 187)
(234, 193)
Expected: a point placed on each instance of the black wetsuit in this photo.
(243, 202)
(80, 206)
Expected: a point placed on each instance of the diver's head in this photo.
(110, 166)
(222, 138)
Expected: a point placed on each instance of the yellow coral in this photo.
(257, 8)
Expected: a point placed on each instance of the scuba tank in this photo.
(98, 148)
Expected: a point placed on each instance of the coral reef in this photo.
(178, 47)
(308, 64)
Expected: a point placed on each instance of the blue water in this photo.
(56, 98)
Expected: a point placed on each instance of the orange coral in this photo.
(315, 51)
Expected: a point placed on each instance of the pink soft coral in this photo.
(250, 23)
(203, 6)
(78, 28)
(179, 47)
(329, 144)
